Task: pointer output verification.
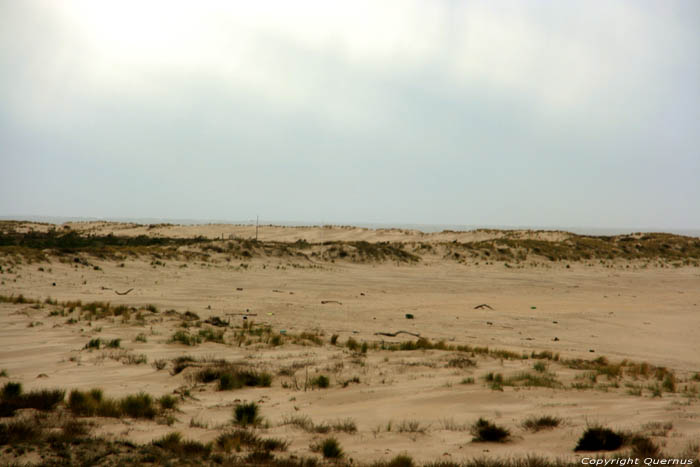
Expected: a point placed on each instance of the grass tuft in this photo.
(545, 422)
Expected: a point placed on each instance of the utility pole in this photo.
(257, 219)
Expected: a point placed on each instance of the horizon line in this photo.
(694, 232)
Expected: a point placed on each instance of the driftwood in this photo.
(123, 293)
(482, 306)
(241, 314)
(323, 302)
(394, 334)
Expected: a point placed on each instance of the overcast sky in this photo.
(439, 112)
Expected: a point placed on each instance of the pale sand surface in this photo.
(650, 315)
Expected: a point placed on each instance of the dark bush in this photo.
(330, 448)
(599, 439)
(484, 430)
(321, 381)
(246, 414)
(541, 423)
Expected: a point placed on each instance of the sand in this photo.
(645, 315)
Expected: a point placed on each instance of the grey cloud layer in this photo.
(532, 113)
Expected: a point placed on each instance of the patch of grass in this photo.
(643, 447)
(461, 362)
(113, 344)
(212, 335)
(485, 431)
(138, 406)
(320, 381)
(12, 399)
(598, 438)
(305, 423)
(411, 426)
(231, 376)
(141, 338)
(173, 443)
(449, 424)
(669, 383)
(93, 403)
(131, 359)
(546, 380)
(160, 364)
(494, 381)
(168, 402)
(246, 414)
(11, 390)
(346, 425)
(538, 423)
(329, 448)
(19, 299)
(236, 439)
(300, 421)
(352, 344)
(185, 338)
(657, 428)
(93, 344)
(400, 460)
(14, 432)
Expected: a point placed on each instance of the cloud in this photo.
(370, 111)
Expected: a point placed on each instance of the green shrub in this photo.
(93, 403)
(93, 344)
(246, 414)
(276, 340)
(113, 344)
(231, 377)
(330, 448)
(12, 399)
(485, 431)
(43, 399)
(168, 402)
(138, 406)
(321, 381)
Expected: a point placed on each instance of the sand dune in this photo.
(581, 312)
